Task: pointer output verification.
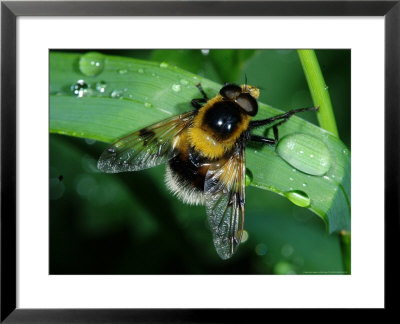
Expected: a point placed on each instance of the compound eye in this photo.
(230, 91)
(247, 103)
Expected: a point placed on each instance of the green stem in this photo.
(345, 243)
(326, 119)
(319, 90)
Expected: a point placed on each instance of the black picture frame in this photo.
(10, 10)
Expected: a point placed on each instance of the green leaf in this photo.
(129, 94)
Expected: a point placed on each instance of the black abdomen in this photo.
(190, 169)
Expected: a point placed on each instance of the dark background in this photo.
(130, 224)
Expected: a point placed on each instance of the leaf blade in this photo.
(152, 92)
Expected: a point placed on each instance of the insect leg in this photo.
(267, 140)
(198, 85)
(197, 103)
(283, 117)
(264, 140)
(275, 129)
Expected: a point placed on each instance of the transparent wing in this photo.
(146, 148)
(225, 199)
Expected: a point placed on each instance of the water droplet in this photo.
(291, 179)
(101, 86)
(91, 64)
(245, 236)
(261, 249)
(81, 89)
(117, 94)
(123, 71)
(176, 87)
(148, 105)
(184, 82)
(249, 177)
(205, 52)
(90, 141)
(141, 71)
(326, 87)
(298, 197)
(305, 153)
(304, 184)
(345, 152)
(163, 65)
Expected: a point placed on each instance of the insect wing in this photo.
(225, 199)
(146, 148)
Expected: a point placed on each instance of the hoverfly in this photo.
(204, 152)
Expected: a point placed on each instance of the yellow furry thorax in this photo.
(203, 140)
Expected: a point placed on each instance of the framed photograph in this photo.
(185, 155)
(109, 100)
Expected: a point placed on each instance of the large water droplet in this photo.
(81, 89)
(298, 197)
(91, 64)
(306, 153)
